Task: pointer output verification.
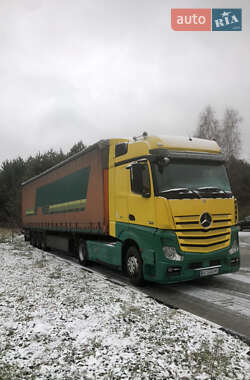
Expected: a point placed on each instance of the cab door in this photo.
(141, 207)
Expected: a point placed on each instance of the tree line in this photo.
(225, 132)
(14, 172)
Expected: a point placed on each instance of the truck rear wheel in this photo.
(82, 252)
(134, 266)
(43, 242)
(33, 239)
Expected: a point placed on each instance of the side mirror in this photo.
(164, 161)
(139, 178)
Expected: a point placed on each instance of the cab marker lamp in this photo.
(234, 248)
(171, 254)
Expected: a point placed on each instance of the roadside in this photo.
(245, 258)
(244, 238)
(61, 322)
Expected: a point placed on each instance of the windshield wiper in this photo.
(175, 190)
(196, 193)
(213, 190)
(181, 191)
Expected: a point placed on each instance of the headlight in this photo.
(171, 254)
(234, 248)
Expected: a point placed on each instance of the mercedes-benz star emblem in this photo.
(205, 220)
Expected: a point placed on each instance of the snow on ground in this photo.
(58, 321)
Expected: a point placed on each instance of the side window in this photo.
(121, 149)
(140, 179)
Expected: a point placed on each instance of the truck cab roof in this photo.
(126, 149)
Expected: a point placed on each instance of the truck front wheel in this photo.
(134, 266)
(82, 252)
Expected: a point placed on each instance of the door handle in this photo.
(131, 217)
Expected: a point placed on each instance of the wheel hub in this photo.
(132, 264)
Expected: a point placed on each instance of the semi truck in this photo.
(157, 208)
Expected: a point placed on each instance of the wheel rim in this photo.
(132, 265)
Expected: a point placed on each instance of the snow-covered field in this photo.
(58, 321)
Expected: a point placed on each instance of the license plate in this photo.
(209, 272)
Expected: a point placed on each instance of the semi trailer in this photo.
(159, 209)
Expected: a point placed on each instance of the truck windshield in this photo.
(192, 179)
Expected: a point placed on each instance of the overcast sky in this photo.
(86, 70)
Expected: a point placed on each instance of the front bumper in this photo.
(194, 265)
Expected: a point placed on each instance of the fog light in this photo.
(234, 248)
(171, 254)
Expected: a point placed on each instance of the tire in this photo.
(39, 241)
(36, 240)
(134, 266)
(82, 252)
(43, 243)
(33, 239)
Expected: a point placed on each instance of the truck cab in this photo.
(170, 200)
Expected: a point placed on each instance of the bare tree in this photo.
(208, 127)
(231, 136)
(227, 134)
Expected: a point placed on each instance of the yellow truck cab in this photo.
(172, 209)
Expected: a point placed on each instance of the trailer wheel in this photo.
(39, 241)
(82, 252)
(43, 243)
(134, 266)
(33, 239)
(36, 240)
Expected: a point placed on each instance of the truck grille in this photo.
(193, 237)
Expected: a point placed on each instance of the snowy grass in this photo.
(5, 235)
(60, 322)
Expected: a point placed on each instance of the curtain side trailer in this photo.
(159, 209)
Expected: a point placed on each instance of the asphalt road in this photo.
(245, 249)
(245, 257)
(224, 299)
